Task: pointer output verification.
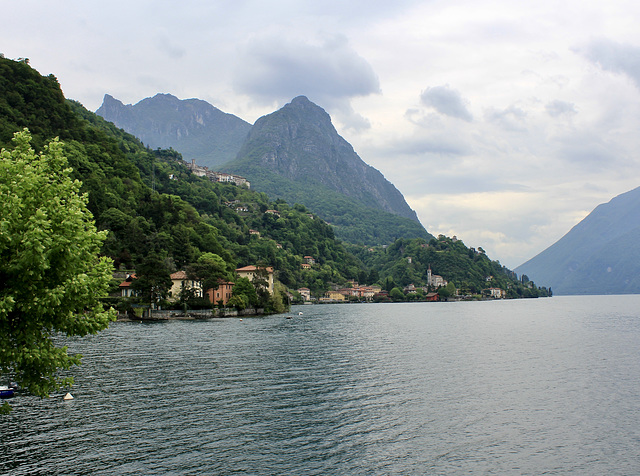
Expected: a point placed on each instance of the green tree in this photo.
(396, 294)
(153, 280)
(447, 291)
(209, 269)
(240, 302)
(243, 287)
(51, 277)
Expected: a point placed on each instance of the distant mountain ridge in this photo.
(600, 255)
(194, 127)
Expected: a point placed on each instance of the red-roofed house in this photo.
(250, 273)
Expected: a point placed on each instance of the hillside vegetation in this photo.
(471, 271)
(296, 154)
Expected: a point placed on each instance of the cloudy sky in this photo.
(502, 122)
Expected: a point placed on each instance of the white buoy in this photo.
(68, 396)
(300, 313)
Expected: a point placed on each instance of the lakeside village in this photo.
(220, 301)
(228, 300)
(231, 299)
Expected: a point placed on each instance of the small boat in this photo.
(8, 391)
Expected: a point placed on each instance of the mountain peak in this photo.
(110, 101)
(305, 111)
(300, 100)
(298, 142)
(197, 129)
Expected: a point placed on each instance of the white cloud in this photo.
(446, 101)
(615, 57)
(275, 68)
(558, 108)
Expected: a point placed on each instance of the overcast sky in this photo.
(502, 122)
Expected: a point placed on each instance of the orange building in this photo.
(221, 294)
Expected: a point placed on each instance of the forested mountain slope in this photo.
(157, 211)
(471, 271)
(296, 154)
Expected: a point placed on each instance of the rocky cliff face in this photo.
(600, 255)
(195, 128)
(299, 142)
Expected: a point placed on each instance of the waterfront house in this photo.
(432, 297)
(251, 272)
(333, 296)
(180, 281)
(410, 289)
(222, 293)
(305, 293)
(497, 293)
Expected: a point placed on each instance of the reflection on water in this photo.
(515, 387)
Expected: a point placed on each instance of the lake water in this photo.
(545, 386)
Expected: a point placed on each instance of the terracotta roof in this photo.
(247, 268)
(252, 268)
(179, 275)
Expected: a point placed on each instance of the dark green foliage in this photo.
(352, 221)
(153, 282)
(210, 269)
(244, 294)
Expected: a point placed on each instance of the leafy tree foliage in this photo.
(396, 294)
(244, 290)
(209, 269)
(153, 280)
(52, 278)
